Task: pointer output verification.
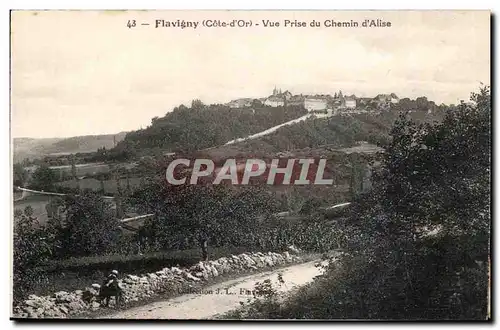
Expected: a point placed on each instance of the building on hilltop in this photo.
(364, 101)
(344, 102)
(350, 102)
(279, 93)
(386, 98)
(278, 98)
(296, 100)
(240, 103)
(315, 103)
(276, 91)
(338, 100)
(274, 101)
(394, 98)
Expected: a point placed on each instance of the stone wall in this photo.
(63, 304)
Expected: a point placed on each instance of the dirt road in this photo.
(220, 298)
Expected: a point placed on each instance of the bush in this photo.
(31, 248)
(88, 226)
(43, 179)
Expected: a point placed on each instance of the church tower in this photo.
(275, 91)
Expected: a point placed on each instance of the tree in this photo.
(293, 201)
(54, 211)
(89, 226)
(20, 175)
(356, 175)
(209, 215)
(43, 179)
(197, 104)
(446, 167)
(256, 103)
(422, 103)
(434, 177)
(311, 205)
(74, 175)
(31, 248)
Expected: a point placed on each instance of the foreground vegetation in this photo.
(78, 272)
(82, 240)
(433, 177)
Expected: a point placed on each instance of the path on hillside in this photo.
(275, 128)
(209, 303)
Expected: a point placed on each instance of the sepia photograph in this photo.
(250, 165)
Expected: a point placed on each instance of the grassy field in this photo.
(38, 203)
(83, 169)
(110, 186)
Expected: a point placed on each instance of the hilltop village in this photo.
(324, 103)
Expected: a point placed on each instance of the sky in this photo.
(86, 73)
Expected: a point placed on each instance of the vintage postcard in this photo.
(223, 165)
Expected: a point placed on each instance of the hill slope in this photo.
(35, 148)
(315, 131)
(189, 129)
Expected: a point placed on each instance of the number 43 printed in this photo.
(131, 23)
